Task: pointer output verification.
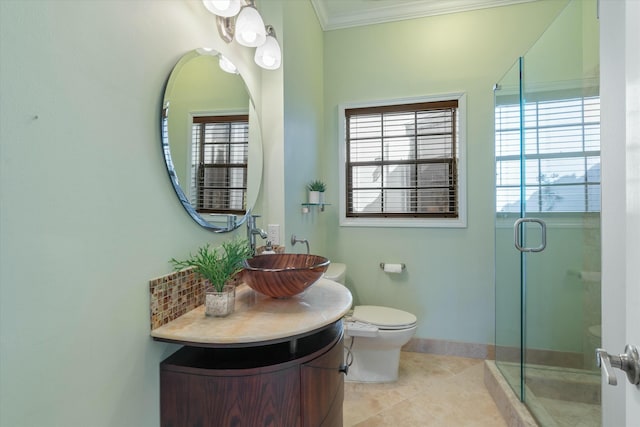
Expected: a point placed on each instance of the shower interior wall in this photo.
(563, 286)
(548, 302)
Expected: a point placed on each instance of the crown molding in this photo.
(341, 14)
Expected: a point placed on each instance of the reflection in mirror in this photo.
(218, 173)
(211, 141)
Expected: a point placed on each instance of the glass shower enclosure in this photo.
(547, 157)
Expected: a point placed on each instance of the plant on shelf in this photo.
(316, 192)
(217, 265)
(317, 185)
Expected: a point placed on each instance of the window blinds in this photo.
(561, 156)
(219, 156)
(402, 160)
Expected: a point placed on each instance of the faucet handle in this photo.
(294, 240)
(251, 221)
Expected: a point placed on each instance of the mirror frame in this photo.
(255, 155)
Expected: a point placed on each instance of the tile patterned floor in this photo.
(431, 390)
(572, 414)
(559, 397)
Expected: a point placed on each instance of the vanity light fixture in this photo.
(250, 29)
(268, 55)
(226, 8)
(227, 65)
(207, 51)
(223, 61)
(247, 28)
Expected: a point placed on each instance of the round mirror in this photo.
(211, 140)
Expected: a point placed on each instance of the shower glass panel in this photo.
(509, 308)
(548, 192)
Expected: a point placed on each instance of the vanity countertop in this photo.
(260, 319)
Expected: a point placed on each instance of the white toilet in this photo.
(374, 335)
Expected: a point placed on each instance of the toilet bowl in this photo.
(374, 336)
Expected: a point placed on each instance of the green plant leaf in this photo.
(316, 185)
(217, 265)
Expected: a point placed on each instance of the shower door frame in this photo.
(534, 286)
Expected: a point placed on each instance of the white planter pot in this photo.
(314, 197)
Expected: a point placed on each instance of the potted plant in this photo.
(316, 192)
(218, 267)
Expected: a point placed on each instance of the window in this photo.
(562, 155)
(220, 146)
(402, 164)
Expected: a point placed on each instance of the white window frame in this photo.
(461, 220)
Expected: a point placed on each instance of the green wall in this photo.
(304, 131)
(87, 213)
(449, 281)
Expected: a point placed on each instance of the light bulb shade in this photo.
(250, 30)
(226, 8)
(227, 65)
(207, 51)
(268, 55)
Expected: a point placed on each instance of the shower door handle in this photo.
(516, 235)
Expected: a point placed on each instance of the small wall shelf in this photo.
(307, 205)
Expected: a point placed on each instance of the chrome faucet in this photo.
(252, 231)
(294, 241)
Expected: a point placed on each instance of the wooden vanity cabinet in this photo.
(287, 384)
(322, 388)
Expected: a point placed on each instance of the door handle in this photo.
(516, 235)
(629, 362)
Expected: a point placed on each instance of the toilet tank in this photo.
(336, 272)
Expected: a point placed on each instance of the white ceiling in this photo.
(334, 14)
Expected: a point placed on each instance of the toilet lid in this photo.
(384, 317)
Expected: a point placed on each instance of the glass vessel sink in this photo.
(283, 275)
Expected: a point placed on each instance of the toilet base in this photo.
(374, 366)
(377, 359)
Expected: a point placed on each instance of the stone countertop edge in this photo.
(259, 318)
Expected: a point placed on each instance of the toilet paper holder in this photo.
(402, 266)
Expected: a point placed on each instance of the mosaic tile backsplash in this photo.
(174, 295)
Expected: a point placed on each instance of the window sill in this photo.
(406, 223)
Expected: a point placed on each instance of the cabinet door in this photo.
(322, 387)
(269, 399)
